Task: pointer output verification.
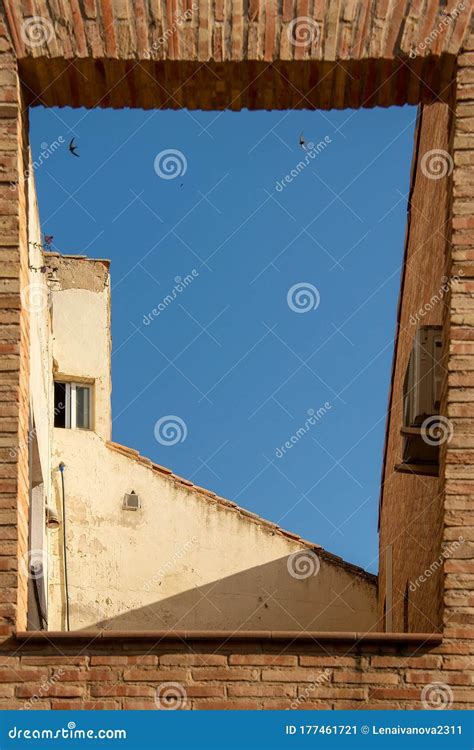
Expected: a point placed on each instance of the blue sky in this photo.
(289, 305)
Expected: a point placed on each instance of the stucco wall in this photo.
(81, 331)
(184, 560)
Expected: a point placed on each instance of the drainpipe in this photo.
(61, 468)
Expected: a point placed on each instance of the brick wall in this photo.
(329, 673)
(100, 671)
(412, 506)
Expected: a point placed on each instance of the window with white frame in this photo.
(72, 405)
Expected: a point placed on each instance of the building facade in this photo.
(357, 55)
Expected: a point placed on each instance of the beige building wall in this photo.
(185, 559)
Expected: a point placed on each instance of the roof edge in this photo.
(212, 497)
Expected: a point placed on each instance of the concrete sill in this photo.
(224, 636)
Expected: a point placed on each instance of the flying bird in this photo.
(302, 141)
(73, 148)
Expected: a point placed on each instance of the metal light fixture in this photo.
(131, 501)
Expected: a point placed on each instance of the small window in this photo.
(72, 405)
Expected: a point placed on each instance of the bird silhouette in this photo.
(73, 148)
(302, 141)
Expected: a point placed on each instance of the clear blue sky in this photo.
(229, 356)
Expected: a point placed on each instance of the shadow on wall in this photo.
(275, 596)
